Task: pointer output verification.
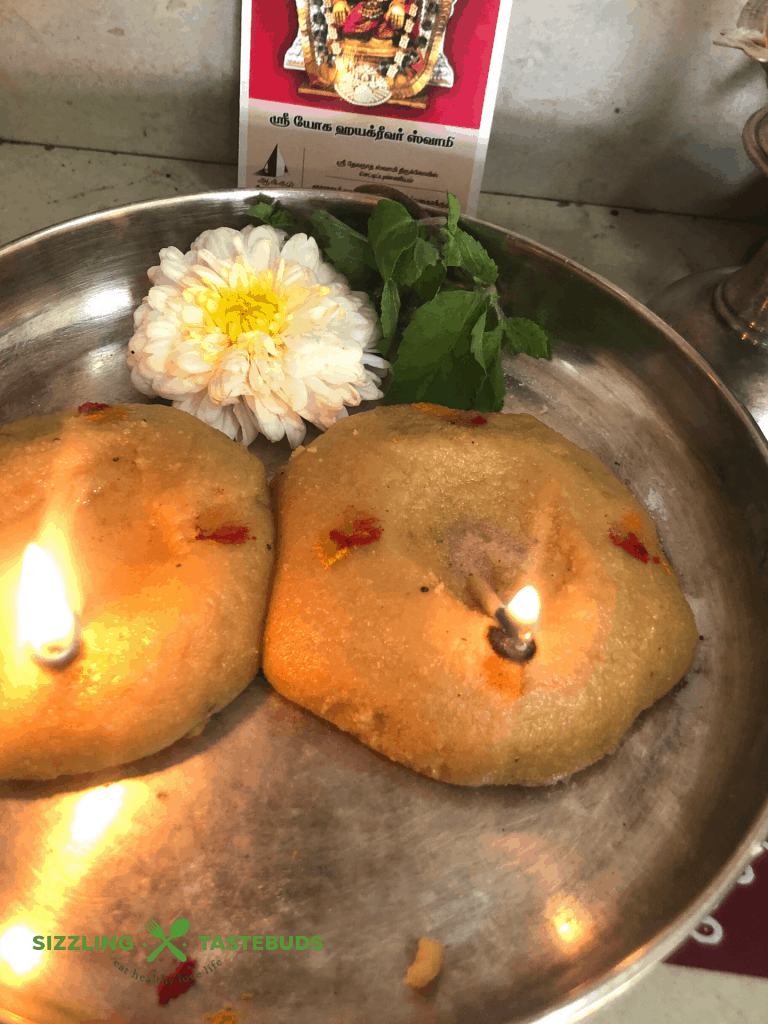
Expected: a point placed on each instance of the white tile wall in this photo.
(137, 76)
(627, 103)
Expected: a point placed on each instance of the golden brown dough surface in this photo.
(390, 502)
(172, 624)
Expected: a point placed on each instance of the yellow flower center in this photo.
(235, 312)
(246, 310)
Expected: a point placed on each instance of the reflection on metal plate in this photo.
(273, 824)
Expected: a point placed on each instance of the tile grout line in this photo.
(625, 209)
(499, 195)
(48, 146)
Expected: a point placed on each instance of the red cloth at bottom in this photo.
(734, 937)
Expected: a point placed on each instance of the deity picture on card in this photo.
(372, 52)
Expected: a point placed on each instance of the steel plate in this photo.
(273, 823)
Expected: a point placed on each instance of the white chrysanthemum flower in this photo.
(252, 333)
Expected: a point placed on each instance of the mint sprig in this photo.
(439, 311)
(275, 216)
(463, 251)
(346, 250)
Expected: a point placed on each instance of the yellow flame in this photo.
(94, 812)
(16, 951)
(43, 612)
(525, 606)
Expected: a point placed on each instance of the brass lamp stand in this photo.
(724, 313)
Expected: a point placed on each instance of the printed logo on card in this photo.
(275, 167)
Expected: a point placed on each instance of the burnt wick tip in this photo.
(510, 648)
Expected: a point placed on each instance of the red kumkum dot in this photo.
(364, 531)
(478, 421)
(632, 546)
(89, 407)
(227, 535)
(177, 983)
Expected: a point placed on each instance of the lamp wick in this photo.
(52, 655)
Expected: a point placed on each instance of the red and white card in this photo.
(337, 94)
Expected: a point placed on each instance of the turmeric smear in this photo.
(227, 1015)
(457, 417)
(631, 522)
(504, 675)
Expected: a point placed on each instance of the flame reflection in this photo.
(569, 922)
(17, 957)
(92, 830)
(95, 811)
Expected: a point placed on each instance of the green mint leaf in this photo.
(463, 251)
(275, 216)
(390, 310)
(391, 231)
(456, 384)
(523, 335)
(490, 395)
(476, 339)
(494, 388)
(428, 284)
(262, 211)
(284, 220)
(437, 337)
(486, 348)
(454, 212)
(464, 384)
(414, 261)
(346, 249)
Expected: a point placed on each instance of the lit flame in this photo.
(525, 606)
(44, 618)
